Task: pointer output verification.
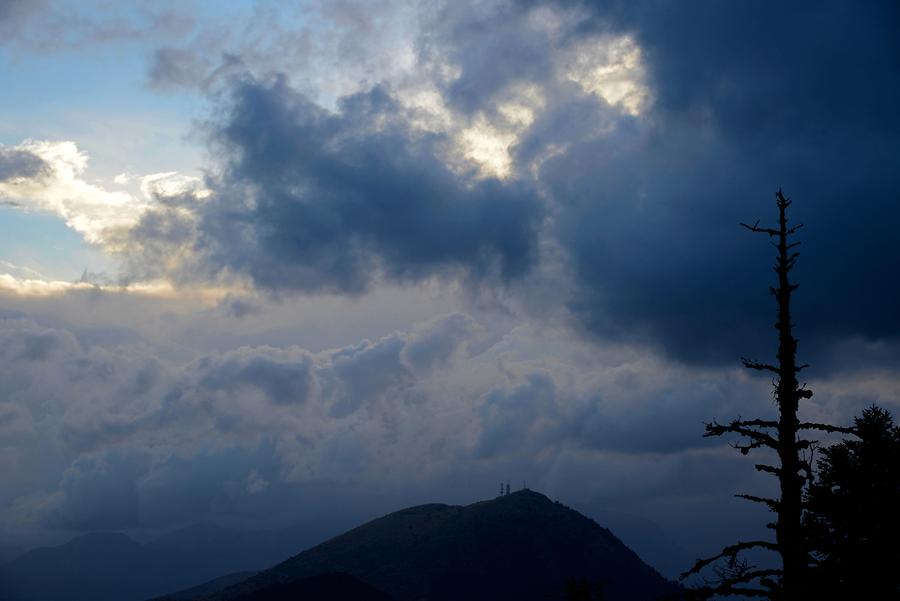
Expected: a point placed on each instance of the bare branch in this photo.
(771, 503)
(750, 364)
(729, 552)
(827, 428)
(744, 429)
(756, 423)
(769, 469)
(764, 230)
(746, 448)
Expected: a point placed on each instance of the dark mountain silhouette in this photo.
(324, 587)
(207, 588)
(519, 546)
(113, 567)
(101, 565)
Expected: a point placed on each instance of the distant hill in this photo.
(324, 587)
(113, 567)
(101, 565)
(521, 546)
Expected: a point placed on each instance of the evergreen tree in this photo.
(851, 518)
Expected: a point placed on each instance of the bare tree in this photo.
(783, 436)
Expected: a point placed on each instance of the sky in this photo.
(264, 263)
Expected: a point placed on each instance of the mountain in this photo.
(207, 588)
(649, 540)
(101, 565)
(324, 587)
(113, 567)
(520, 546)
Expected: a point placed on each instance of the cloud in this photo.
(584, 112)
(651, 146)
(50, 177)
(595, 129)
(98, 493)
(436, 341)
(328, 49)
(176, 67)
(315, 201)
(130, 423)
(36, 26)
(284, 377)
(17, 163)
(101, 428)
(13, 12)
(648, 207)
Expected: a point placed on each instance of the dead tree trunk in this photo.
(782, 436)
(788, 394)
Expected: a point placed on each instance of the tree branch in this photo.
(763, 230)
(750, 364)
(769, 469)
(744, 428)
(827, 428)
(730, 551)
(771, 503)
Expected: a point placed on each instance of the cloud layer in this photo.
(441, 244)
(630, 146)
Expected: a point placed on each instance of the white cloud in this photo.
(610, 67)
(103, 216)
(100, 215)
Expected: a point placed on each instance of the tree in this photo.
(793, 468)
(850, 518)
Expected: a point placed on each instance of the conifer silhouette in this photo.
(851, 510)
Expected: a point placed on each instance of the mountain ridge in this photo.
(111, 566)
(521, 545)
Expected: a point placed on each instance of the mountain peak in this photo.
(521, 545)
(525, 495)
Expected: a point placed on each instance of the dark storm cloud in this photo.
(20, 163)
(317, 201)
(494, 46)
(747, 97)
